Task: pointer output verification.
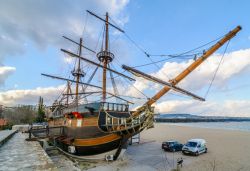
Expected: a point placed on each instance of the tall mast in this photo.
(68, 91)
(78, 72)
(105, 61)
(105, 56)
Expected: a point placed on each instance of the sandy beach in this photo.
(227, 150)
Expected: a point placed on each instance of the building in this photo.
(3, 123)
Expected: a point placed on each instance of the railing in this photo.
(115, 107)
(129, 125)
(46, 132)
(105, 55)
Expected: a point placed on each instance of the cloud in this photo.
(225, 108)
(30, 96)
(138, 86)
(233, 64)
(5, 72)
(44, 22)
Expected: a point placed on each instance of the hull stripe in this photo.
(96, 141)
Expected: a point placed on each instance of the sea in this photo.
(240, 126)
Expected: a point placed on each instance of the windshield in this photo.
(191, 144)
(170, 143)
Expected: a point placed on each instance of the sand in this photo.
(227, 151)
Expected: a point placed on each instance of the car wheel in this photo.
(206, 150)
(197, 153)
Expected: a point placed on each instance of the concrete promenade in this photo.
(19, 154)
(5, 135)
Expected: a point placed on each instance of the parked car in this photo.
(171, 146)
(195, 147)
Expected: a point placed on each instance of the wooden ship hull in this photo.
(101, 133)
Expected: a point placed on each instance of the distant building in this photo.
(3, 123)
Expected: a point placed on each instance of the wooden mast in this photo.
(105, 56)
(189, 69)
(79, 73)
(105, 61)
(68, 91)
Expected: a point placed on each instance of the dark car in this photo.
(172, 146)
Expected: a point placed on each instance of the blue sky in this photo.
(159, 27)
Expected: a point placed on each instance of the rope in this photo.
(186, 52)
(99, 38)
(129, 82)
(136, 89)
(113, 83)
(136, 45)
(163, 60)
(192, 50)
(103, 35)
(215, 73)
(158, 67)
(85, 23)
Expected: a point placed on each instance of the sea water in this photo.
(241, 126)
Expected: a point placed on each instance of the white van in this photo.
(195, 147)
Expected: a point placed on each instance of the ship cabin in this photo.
(104, 114)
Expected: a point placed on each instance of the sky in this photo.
(31, 38)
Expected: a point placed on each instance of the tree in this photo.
(40, 112)
(21, 114)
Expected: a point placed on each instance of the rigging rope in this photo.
(103, 35)
(171, 57)
(192, 50)
(113, 83)
(215, 73)
(136, 88)
(99, 38)
(85, 23)
(118, 63)
(159, 67)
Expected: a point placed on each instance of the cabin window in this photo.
(105, 106)
(69, 122)
(111, 106)
(126, 108)
(109, 120)
(118, 107)
(123, 120)
(79, 123)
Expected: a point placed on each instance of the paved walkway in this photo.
(18, 154)
(4, 134)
